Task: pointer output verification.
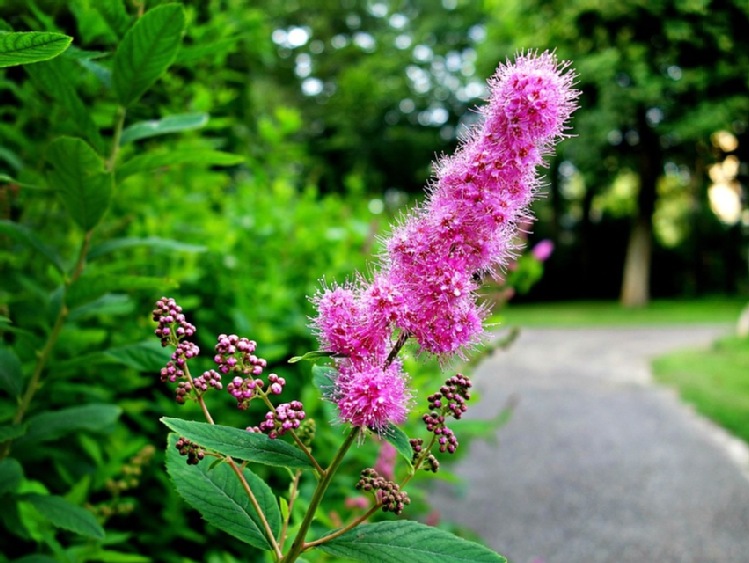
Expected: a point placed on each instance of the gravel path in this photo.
(597, 463)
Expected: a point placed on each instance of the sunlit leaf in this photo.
(163, 126)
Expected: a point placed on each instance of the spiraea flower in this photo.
(425, 286)
(370, 396)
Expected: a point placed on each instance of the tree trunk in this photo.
(636, 279)
(636, 282)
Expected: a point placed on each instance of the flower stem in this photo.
(298, 546)
(35, 383)
(116, 136)
(292, 498)
(402, 339)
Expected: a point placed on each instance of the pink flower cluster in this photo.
(425, 286)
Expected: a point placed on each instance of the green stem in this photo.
(298, 546)
(35, 383)
(116, 136)
(293, 493)
(325, 539)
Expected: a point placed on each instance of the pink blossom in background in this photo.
(543, 250)
(385, 464)
(425, 286)
(356, 502)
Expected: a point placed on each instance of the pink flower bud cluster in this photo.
(449, 401)
(426, 284)
(172, 325)
(286, 417)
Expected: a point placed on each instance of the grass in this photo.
(609, 313)
(715, 381)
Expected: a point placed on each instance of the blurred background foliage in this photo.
(329, 114)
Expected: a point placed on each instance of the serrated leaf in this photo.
(404, 540)
(11, 473)
(26, 236)
(11, 372)
(163, 126)
(146, 51)
(218, 495)
(400, 441)
(56, 79)
(79, 176)
(312, 356)
(240, 444)
(65, 515)
(151, 162)
(155, 243)
(24, 47)
(148, 356)
(51, 425)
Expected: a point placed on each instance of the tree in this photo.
(658, 78)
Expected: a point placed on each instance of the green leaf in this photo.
(240, 444)
(12, 432)
(11, 474)
(312, 356)
(115, 14)
(163, 126)
(146, 51)
(323, 377)
(189, 54)
(26, 236)
(11, 372)
(92, 285)
(155, 243)
(218, 495)
(50, 425)
(404, 540)
(23, 47)
(65, 515)
(109, 304)
(79, 175)
(56, 79)
(400, 441)
(148, 356)
(151, 162)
